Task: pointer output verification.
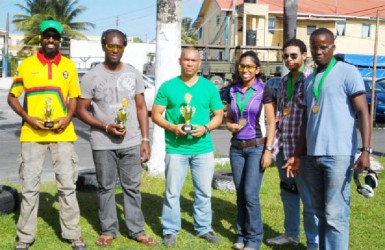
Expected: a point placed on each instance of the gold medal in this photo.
(286, 111)
(242, 122)
(315, 108)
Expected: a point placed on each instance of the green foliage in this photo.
(64, 11)
(137, 40)
(366, 222)
(188, 34)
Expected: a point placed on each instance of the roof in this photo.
(346, 8)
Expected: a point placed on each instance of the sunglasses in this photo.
(322, 47)
(112, 47)
(292, 56)
(54, 36)
(246, 66)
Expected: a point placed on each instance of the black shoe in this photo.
(78, 244)
(210, 237)
(169, 240)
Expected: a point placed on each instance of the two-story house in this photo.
(260, 23)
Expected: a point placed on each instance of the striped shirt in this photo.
(289, 126)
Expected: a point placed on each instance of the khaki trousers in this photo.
(65, 167)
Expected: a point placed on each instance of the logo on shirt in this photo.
(65, 74)
(127, 82)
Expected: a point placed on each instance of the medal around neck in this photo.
(48, 111)
(242, 122)
(187, 112)
(122, 114)
(286, 111)
(315, 108)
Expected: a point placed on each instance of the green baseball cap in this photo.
(51, 24)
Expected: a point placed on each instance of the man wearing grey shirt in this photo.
(112, 103)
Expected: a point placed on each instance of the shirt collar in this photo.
(44, 60)
(256, 83)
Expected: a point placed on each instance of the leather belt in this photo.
(246, 143)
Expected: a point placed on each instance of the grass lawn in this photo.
(367, 217)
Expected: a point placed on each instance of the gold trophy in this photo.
(48, 110)
(187, 112)
(122, 114)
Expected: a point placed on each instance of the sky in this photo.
(134, 17)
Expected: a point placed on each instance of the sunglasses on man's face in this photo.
(291, 55)
(112, 47)
(55, 36)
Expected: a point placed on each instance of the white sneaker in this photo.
(283, 240)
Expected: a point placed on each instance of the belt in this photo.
(246, 143)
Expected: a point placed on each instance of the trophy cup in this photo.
(187, 112)
(122, 114)
(48, 110)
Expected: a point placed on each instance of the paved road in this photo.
(10, 145)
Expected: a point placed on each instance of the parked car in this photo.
(380, 97)
(273, 83)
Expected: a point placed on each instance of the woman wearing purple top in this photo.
(250, 107)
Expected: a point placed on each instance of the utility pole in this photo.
(5, 53)
(290, 11)
(374, 75)
(117, 22)
(289, 19)
(168, 49)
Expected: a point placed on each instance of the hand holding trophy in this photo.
(48, 110)
(187, 113)
(122, 114)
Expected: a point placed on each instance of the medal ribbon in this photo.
(242, 105)
(317, 91)
(291, 86)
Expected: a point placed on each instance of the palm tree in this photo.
(188, 34)
(64, 11)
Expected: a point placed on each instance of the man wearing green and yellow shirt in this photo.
(49, 82)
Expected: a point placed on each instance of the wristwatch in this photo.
(367, 149)
(207, 131)
(269, 148)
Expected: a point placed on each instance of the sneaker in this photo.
(22, 246)
(78, 244)
(283, 240)
(210, 237)
(169, 240)
(238, 246)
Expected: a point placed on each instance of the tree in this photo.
(188, 34)
(168, 44)
(64, 11)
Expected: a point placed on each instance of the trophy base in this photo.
(187, 129)
(121, 128)
(48, 124)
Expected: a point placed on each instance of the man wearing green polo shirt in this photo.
(181, 97)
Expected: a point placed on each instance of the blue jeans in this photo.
(247, 174)
(329, 180)
(202, 171)
(291, 204)
(125, 163)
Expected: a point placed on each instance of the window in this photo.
(365, 30)
(218, 19)
(200, 33)
(271, 27)
(310, 29)
(341, 28)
